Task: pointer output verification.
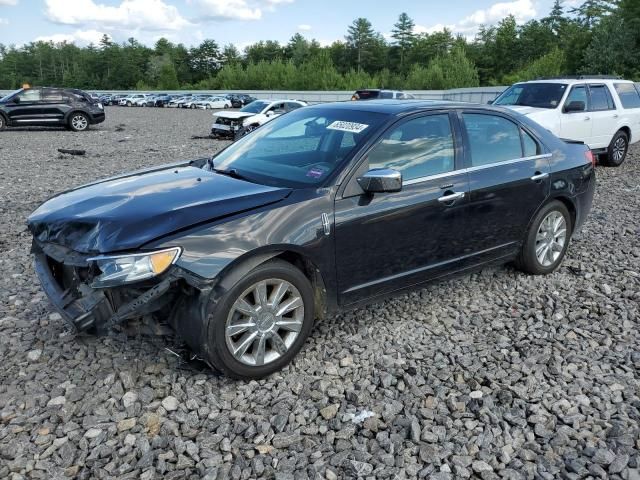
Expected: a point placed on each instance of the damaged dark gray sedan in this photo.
(325, 208)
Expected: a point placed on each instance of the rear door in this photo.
(388, 241)
(604, 116)
(577, 125)
(508, 181)
(54, 105)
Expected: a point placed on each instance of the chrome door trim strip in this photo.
(474, 169)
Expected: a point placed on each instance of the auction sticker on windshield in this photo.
(347, 126)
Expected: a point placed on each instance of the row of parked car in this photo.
(184, 100)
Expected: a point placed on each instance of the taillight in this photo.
(588, 154)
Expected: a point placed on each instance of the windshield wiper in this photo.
(233, 173)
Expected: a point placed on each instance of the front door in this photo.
(509, 180)
(25, 107)
(577, 125)
(388, 241)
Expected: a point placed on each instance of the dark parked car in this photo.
(380, 94)
(325, 208)
(240, 100)
(162, 100)
(72, 108)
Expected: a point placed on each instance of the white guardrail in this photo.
(475, 95)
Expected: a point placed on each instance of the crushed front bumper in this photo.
(65, 278)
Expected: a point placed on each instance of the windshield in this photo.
(300, 149)
(7, 97)
(255, 107)
(539, 95)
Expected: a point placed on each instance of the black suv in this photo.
(70, 107)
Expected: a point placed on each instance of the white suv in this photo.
(602, 112)
(251, 116)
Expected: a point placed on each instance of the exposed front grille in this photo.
(224, 121)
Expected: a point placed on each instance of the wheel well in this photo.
(73, 112)
(313, 274)
(571, 207)
(627, 130)
(4, 117)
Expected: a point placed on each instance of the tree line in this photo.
(598, 37)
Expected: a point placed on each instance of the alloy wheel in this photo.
(79, 122)
(264, 322)
(551, 238)
(619, 149)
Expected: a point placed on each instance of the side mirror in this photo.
(380, 180)
(490, 102)
(270, 113)
(575, 106)
(15, 99)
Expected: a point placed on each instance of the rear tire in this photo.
(3, 123)
(547, 240)
(247, 314)
(617, 150)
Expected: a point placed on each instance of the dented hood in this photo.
(124, 213)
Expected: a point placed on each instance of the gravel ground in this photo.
(493, 375)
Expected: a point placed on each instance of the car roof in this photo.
(573, 81)
(396, 107)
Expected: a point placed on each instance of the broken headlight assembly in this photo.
(127, 268)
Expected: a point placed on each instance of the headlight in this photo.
(120, 269)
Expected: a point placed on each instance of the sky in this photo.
(243, 22)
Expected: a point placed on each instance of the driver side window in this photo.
(578, 94)
(31, 95)
(278, 108)
(417, 148)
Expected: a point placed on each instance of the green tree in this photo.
(360, 39)
(551, 64)
(609, 51)
(403, 35)
(168, 78)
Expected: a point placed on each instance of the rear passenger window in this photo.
(492, 139)
(628, 94)
(418, 148)
(52, 95)
(600, 98)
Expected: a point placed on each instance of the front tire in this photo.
(547, 240)
(3, 123)
(260, 324)
(617, 150)
(79, 122)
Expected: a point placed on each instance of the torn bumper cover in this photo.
(66, 278)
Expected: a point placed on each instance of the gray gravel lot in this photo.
(492, 375)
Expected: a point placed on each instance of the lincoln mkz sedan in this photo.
(324, 208)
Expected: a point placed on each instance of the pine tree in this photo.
(360, 38)
(403, 35)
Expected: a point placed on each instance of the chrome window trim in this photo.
(474, 169)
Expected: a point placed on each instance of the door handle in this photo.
(451, 197)
(539, 176)
(615, 115)
(586, 119)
